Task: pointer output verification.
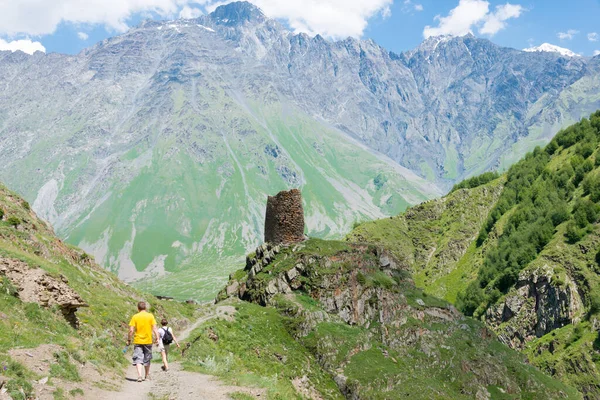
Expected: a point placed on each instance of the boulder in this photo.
(272, 288)
(233, 288)
(291, 274)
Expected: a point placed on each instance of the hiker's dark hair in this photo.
(164, 322)
(142, 305)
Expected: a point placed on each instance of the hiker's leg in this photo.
(147, 358)
(163, 353)
(138, 359)
(139, 369)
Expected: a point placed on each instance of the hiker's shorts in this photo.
(142, 354)
(165, 348)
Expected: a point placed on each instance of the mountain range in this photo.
(154, 150)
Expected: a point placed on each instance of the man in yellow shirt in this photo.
(141, 327)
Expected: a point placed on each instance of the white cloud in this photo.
(592, 37)
(496, 21)
(409, 6)
(83, 35)
(386, 12)
(460, 20)
(41, 17)
(188, 12)
(25, 45)
(470, 14)
(568, 35)
(333, 18)
(596, 53)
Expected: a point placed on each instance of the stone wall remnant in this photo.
(284, 219)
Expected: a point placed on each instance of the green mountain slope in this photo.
(525, 262)
(187, 205)
(431, 238)
(354, 310)
(42, 282)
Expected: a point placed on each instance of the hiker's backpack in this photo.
(167, 336)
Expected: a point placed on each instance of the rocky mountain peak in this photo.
(237, 13)
(443, 44)
(434, 43)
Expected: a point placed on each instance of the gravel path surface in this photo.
(177, 384)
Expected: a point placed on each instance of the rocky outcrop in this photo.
(540, 303)
(284, 219)
(34, 285)
(356, 296)
(357, 310)
(262, 256)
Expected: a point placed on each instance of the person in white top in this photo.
(166, 338)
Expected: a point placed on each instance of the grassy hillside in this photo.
(185, 192)
(30, 250)
(345, 320)
(341, 320)
(551, 193)
(431, 238)
(524, 260)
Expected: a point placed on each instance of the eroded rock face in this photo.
(34, 285)
(539, 305)
(284, 219)
(343, 294)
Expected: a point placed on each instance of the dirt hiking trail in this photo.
(177, 384)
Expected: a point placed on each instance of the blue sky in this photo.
(68, 26)
(540, 22)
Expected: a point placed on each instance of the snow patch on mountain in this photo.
(550, 48)
(206, 28)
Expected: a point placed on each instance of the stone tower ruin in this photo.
(284, 219)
